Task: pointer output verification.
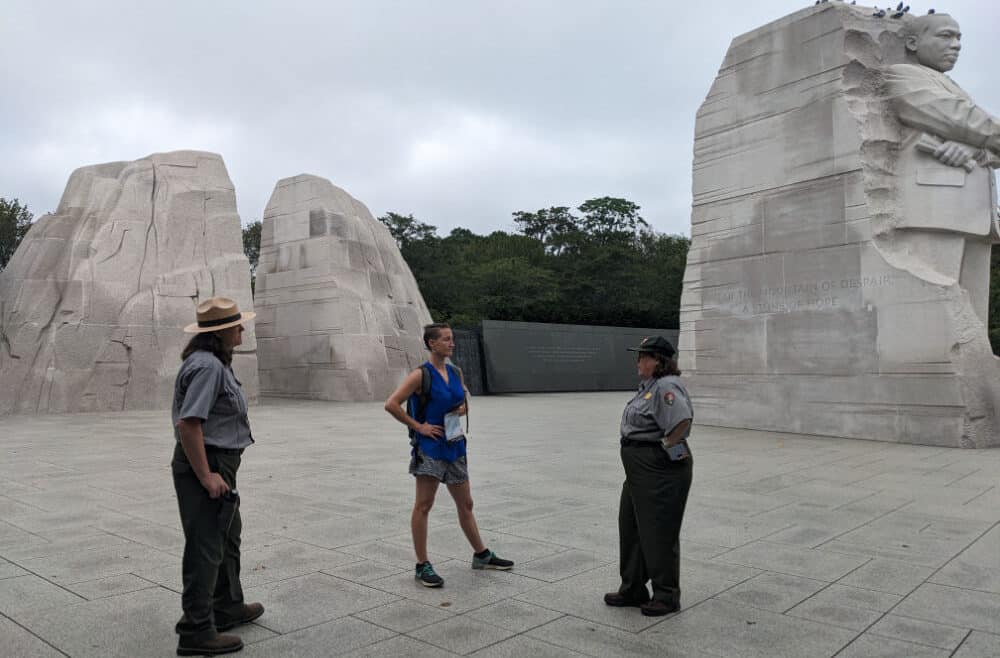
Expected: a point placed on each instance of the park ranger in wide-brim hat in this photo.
(217, 313)
(211, 430)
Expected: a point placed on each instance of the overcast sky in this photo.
(460, 112)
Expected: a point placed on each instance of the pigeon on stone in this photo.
(930, 11)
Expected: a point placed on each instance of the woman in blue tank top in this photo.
(434, 458)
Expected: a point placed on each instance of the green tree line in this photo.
(598, 265)
(15, 220)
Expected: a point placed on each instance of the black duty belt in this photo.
(223, 451)
(636, 443)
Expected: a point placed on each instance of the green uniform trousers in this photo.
(211, 564)
(649, 522)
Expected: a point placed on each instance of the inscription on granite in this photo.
(528, 356)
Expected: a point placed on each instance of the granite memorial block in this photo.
(842, 222)
(93, 302)
(339, 314)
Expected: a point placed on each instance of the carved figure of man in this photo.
(948, 150)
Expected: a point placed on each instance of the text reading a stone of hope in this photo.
(795, 297)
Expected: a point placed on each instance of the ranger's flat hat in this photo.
(655, 345)
(217, 313)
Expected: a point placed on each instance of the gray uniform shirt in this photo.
(209, 390)
(656, 409)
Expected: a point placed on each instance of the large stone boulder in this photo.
(339, 314)
(93, 302)
(838, 275)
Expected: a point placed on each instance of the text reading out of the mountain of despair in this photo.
(814, 295)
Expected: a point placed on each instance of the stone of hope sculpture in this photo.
(842, 222)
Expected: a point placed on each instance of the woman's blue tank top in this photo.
(444, 397)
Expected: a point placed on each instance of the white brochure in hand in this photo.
(453, 430)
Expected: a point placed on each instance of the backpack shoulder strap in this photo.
(423, 395)
(461, 378)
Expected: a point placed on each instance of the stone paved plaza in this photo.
(793, 546)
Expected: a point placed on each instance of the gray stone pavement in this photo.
(793, 546)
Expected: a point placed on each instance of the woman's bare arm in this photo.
(394, 405)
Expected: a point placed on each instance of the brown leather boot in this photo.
(657, 608)
(619, 600)
(250, 612)
(220, 644)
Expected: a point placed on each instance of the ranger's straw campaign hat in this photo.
(217, 313)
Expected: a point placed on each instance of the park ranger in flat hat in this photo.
(654, 430)
(212, 429)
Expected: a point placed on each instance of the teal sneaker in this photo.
(427, 577)
(490, 561)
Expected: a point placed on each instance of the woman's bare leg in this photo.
(462, 494)
(426, 489)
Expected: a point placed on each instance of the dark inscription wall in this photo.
(469, 357)
(526, 357)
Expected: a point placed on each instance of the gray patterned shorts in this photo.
(455, 472)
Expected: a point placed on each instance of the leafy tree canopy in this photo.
(601, 265)
(15, 220)
(251, 247)
(405, 229)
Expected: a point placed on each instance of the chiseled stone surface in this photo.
(326, 545)
(93, 302)
(339, 313)
(838, 276)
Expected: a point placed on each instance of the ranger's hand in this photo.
(215, 485)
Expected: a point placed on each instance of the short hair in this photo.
(433, 331)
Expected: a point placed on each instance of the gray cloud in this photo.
(458, 112)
